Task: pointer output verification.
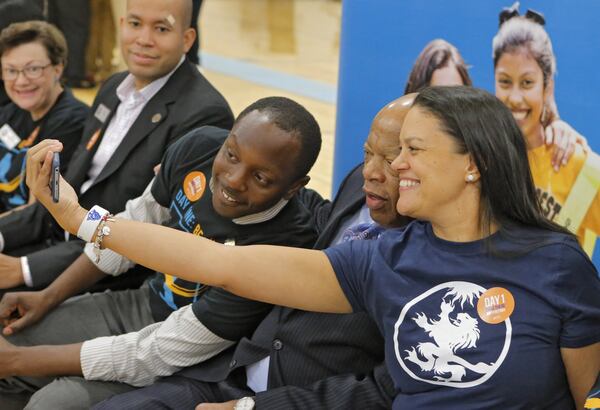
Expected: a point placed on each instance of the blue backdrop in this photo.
(381, 39)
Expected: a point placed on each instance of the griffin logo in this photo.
(439, 339)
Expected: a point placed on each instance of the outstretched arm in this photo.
(307, 282)
(39, 360)
(160, 349)
(136, 358)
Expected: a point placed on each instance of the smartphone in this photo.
(54, 176)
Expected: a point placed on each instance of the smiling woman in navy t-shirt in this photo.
(483, 303)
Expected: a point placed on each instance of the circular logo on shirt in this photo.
(194, 185)
(440, 338)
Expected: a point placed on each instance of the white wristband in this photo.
(90, 223)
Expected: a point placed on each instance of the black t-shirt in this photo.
(19, 132)
(182, 185)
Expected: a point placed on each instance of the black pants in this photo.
(179, 392)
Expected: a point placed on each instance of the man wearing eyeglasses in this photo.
(136, 115)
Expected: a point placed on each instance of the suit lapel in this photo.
(153, 114)
(349, 199)
(337, 217)
(141, 128)
(77, 173)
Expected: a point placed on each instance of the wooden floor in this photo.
(257, 48)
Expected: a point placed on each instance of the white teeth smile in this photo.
(519, 115)
(227, 197)
(404, 183)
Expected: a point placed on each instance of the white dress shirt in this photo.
(132, 103)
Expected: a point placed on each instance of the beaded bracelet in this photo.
(102, 231)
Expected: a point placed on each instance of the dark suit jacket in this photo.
(185, 102)
(337, 359)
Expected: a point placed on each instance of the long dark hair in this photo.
(436, 54)
(482, 126)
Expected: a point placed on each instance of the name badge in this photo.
(102, 113)
(9, 137)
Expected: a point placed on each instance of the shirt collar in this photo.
(258, 217)
(127, 89)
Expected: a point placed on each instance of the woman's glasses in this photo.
(32, 72)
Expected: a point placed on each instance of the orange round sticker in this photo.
(194, 185)
(495, 305)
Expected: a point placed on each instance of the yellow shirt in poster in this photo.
(553, 188)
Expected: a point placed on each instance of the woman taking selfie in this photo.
(478, 297)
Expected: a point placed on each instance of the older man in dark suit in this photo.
(294, 359)
(135, 117)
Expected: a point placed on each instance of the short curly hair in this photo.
(41, 32)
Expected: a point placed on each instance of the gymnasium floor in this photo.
(257, 48)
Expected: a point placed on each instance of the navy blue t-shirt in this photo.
(424, 294)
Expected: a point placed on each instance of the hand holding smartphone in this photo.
(54, 176)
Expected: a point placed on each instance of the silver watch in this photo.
(245, 403)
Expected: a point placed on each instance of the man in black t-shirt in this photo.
(236, 188)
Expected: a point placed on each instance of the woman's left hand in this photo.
(564, 138)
